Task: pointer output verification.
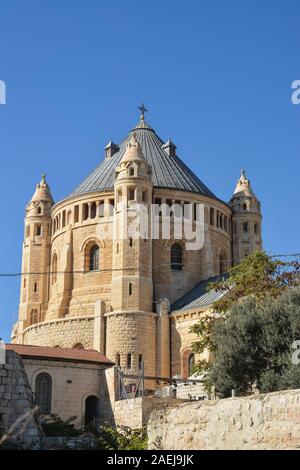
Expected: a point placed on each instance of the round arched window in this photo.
(43, 391)
(94, 258)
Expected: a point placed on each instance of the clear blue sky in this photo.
(215, 75)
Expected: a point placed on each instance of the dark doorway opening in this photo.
(91, 409)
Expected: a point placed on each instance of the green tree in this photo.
(254, 346)
(257, 276)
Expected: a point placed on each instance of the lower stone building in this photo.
(67, 382)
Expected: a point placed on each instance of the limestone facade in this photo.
(82, 286)
(66, 383)
(72, 384)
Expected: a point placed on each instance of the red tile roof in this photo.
(60, 354)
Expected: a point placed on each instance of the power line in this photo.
(34, 273)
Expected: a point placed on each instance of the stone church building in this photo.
(131, 298)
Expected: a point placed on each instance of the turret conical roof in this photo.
(42, 192)
(243, 186)
(133, 150)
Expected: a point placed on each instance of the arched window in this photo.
(94, 258)
(131, 171)
(222, 264)
(43, 391)
(39, 210)
(191, 364)
(129, 361)
(54, 269)
(130, 288)
(78, 346)
(176, 257)
(140, 361)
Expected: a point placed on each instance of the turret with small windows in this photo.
(36, 257)
(132, 319)
(132, 250)
(246, 220)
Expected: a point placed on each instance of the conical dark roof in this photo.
(167, 171)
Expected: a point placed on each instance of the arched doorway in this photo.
(91, 409)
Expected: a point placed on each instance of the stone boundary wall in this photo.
(17, 414)
(135, 412)
(270, 421)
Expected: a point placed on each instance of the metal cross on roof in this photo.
(143, 111)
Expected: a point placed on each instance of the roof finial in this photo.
(143, 111)
(43, 178)
(243, 176)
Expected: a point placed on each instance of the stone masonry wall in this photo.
(64, 332)
(135, 412)
(17, 417)
(132, 333)
(270, 421)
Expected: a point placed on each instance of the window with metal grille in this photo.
(176, 257)
(43, 391)
(94, 258)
